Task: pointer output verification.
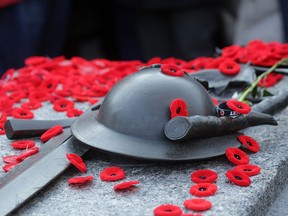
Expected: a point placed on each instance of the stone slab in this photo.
(162, 184)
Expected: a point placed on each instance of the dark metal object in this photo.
(183, 128)
(34, 173)
(17, 129)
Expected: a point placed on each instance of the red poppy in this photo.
(77, 161)
(270, 80)
(31, 105)
(113, 173)
(3, 117)
(198, 204)
(249, 142)
(23, 144)
(248, 169)
(229, 67)
(62, 105)
(236, 156)
(74, 113)
(53, 131)
(17, 96)
(8, 167)
(231, 51)
(238, 106)
(204, 176)
(21, 113)
(49, 84)
(178, 108)
(203, 189)
(238, 177)
(11, 159)
(80, 179)
(172, 70)
(35, 60)
(125, 185)
(38, 96)
(2, 130)
(27, 153)
(215, 101)
(167, 210)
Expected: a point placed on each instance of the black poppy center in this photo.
(63, 105)
(240, 107)
(172, 70)
(238, 178)
(49, 86)
(178, 110)
(113, 174)
(23, 114)
(202, 189)
(247, 170)
(237, 156)
(249, 143)
(168, 210)
(202, 177)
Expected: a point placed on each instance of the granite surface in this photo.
(163, 184)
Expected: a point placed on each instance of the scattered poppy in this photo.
(11, 159)
(249, 142)
(236, 156)
(125, 185)
(62, 105)
(229, 67)
(8, 167)
(238, 177)
(80, 179)
(203, 189)
(270, 80)
(53, 131)
(178, 108)
(204, 176)
(113, 173)
(172, 70)
(23, 144)
(167, 210)
(215, 101)
(38, 96)
(28, 153)
(3, 117)
(77, 161)
(198, 204)
(248, 169)
(21, 113)
(74, 113)
(31, 105)
(35, 60)
(238, 106)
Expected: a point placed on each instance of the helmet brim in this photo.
(89, 131)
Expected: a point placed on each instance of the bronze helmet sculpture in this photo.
(132, 117)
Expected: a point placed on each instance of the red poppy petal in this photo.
(204, 176)
(23, 144)
(28, 153)
(229, 67)
(62, 105)
(178, 108)
(113, 173)
(53, 131)
(238, 106)
(8, 167)
(80, 179)
(31, 105)
(198, 204)
(172, 70)
(249, 142)
(248, 169)
(74, 113)
(239, 178)
(236, 156)
(11, 159)
(203, 189)
(167, 210)
(77, 161)
(125, 185)
(21, 113)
